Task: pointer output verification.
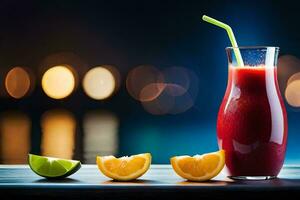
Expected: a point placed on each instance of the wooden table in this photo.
(18, 181)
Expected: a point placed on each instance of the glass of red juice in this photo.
(252, 121)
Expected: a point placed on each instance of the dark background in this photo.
(130, 33)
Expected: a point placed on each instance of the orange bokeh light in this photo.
(151, 91)
(58, 134)
(292, 91)
(17, 82)
(15, 130)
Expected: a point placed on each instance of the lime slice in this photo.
(49, 167)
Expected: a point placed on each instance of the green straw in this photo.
(237, 52)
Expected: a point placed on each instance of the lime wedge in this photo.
(49, 167)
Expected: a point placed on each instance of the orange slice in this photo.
(199, 167)
(124, 168)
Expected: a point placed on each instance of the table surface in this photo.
(160, 179)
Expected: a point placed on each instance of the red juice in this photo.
(252, 122)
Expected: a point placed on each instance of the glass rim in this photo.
(252, 47)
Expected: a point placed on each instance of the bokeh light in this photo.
(185, 92)
(294, 77)
(100, 134)
(75, 63)
(138, 80)
(15, 130)
(58, 133)
(151, 91)
(58, 82)
(289, 79)
(18, 82)
(116, 74)
(99, 83)
(178, 76)
(286, 67)
(174, 99)
(175, 92)
(160, 105)
(175, 89)
(292, 92)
